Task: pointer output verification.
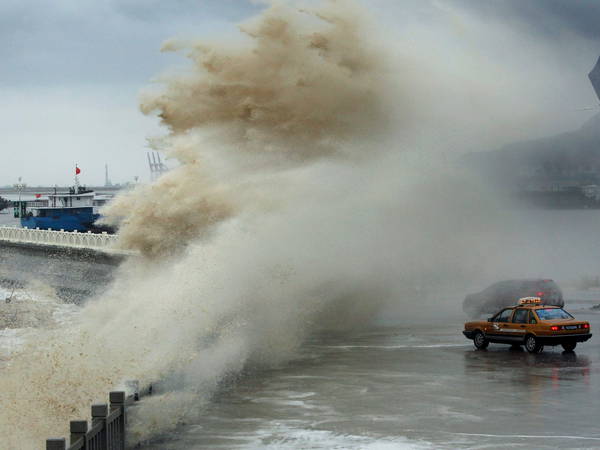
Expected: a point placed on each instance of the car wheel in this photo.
(569, 347)
(480, 341)
(532, 345)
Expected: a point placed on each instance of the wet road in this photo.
(410, 387)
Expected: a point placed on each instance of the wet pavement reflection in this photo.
(405, 387)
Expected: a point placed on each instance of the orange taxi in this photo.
(529, 323)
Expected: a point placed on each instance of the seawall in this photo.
(74, 273)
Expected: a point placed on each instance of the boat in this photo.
(74, 210)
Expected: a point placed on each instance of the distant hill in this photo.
(557, 171)
(558, 163)
(568, 159)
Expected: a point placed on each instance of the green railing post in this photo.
(117, 401)
(56, 444)
(78, 430)
(99, 413)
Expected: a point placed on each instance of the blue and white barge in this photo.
(75, 210)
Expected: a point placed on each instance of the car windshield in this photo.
(553, 313)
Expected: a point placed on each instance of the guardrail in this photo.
(108, 425)
(95, 241)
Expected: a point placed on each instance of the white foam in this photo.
(281, 436)
(25, 313)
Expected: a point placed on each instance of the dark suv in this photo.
(507, 293)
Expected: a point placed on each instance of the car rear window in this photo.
(503, 316)
(520, 316)
(552, 313)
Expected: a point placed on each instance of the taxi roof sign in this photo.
(530, 300)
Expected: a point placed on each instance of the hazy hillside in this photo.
(572, 158)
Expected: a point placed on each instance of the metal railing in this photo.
(108, 425)
(73, 239)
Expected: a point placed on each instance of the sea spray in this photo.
(302, 86)
(221, 281)
(304, 198)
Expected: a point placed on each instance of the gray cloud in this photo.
(87, 60)
(66, 42)
(158, 10)
(550, 17)
(86, 41)
(70, 75)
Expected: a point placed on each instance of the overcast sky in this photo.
(72, 70)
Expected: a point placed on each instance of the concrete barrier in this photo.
(75, 274)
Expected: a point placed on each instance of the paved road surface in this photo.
(411, 387)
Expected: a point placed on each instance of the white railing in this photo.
(95, 241)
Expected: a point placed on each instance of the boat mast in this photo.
(76, 179)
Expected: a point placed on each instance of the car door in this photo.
(519, 324)
(532, 322)
(501, 325)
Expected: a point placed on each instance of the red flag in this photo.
(77, 170)
(38, 195)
